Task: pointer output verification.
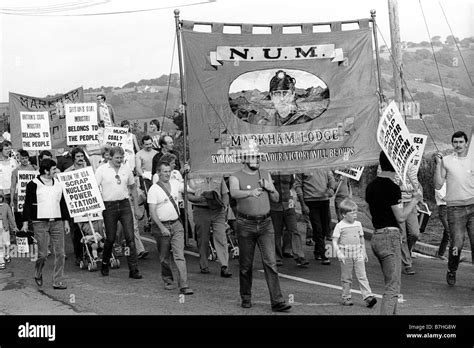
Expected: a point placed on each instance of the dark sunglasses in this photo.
(117, 177)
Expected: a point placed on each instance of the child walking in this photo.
(7, 222)
(349, 246)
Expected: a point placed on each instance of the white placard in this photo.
(81, 124)
(352, 173)
(81, 192)
(92, 217)
(116, 136)
(35, 134)
(419, 140)
(24, 177)
(394, 138)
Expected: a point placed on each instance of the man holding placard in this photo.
(117, 182)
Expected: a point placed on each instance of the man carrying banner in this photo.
(105, 112)
(46, 208)
(117, 182)
(457, 170)
(385, 204)
(24, 165)
(7, 166)
(253, 189)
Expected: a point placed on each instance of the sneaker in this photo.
(225, 273)
(60, 286)
(451, 278)
(8, 259)
(318, 257)
(281, 307)
(326, 262)
(302, 262)
(408, 271)
(186, 291)
(370, 301)
(2, 265)
(104, 270)
(169, 286)
(347, 302)
(246, 304)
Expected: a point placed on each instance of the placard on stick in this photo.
(81, 192)
(35, 134)
(24, 177)
(352, 173)
(81, 124)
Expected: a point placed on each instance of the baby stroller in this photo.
(231, 241)
(93, 244)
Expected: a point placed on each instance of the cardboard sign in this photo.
(81, 124)
(419, 140)
(395, 140)
(24, 177)
(81, 192)
(352, 173)
(92, 217)
(116, 136)
(35, 133)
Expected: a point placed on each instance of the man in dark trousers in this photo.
(253, 189)
(388, 211)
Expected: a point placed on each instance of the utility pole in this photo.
(396, 51)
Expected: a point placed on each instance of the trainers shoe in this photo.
(60, 286)
(135, 274)
(169, 286)
(246, 304)
(326, 262)
(451, 278)
(408, 271)
(2, 265)
(186, 291)
(302, 262)
(225, 273)
(370, 301)
(281, 307)
(8, 259)
(347, 302)
(104, 269)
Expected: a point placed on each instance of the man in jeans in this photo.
(253, 188)
(314, 190)
(167, 228)
(117, 182)
(457, 170)
(387, 210)
(290, 243)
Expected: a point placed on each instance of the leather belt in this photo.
(169, 222)
(253, 217)
(386, 229)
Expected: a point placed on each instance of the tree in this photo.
(451, 40)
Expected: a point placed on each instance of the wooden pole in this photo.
(377, 55)
(396, 50)
(185, 129)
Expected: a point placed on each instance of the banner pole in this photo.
(377, 57)
(185, 128)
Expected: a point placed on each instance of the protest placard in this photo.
(394, 138)
(88, 216)
(81, 124)
(116, 136)
(24, 177)
(35, 133)
(419, 140)
(81, 192)
(352, 173)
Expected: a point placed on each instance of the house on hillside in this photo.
(148, 89)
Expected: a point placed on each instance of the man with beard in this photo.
(253, 189)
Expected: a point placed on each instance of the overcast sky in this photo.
(43, 55)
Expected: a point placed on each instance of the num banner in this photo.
(55, 108)
(309, 100)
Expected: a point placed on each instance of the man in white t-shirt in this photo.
(457, 170)
(7, 166)
(167, 228)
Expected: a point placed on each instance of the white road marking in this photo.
(307, 281)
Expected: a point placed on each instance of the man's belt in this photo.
(169, 222)
(386, 229)
(253, 217)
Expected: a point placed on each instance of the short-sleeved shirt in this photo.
(459, 180)
(165, 208)
(381, 194)
(348, 233)
(111, 188)
(6, 169)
